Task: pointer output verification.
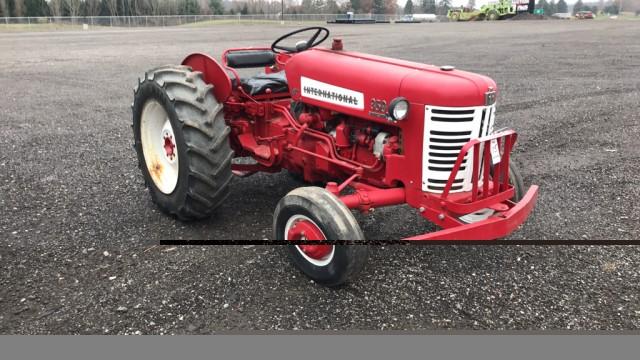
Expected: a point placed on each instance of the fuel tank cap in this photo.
(447, 67)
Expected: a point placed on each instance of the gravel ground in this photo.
(76, 218)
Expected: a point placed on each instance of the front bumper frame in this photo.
(496, 226)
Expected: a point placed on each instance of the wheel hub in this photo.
(159, 146)
(303, 229)
(300, 227)
(169, 146)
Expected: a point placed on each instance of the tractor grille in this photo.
(446, 131)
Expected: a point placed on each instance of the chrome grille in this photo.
(446, 131)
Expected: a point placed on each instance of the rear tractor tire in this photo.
(181, 141)
(493, 15)
(312, 213)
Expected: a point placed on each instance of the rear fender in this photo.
(213, 74)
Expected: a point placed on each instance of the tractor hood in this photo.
(357, 83)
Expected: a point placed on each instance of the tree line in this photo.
(135, 7)
(34, 8)
(427, 7)
(551, 7)
(251, 7)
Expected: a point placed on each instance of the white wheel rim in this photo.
(159, 146)
(317, 262)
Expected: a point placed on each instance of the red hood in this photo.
(383, 78)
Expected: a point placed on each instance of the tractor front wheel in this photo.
(515, 179)
(312, 213)
(493, 15)
(181, 140)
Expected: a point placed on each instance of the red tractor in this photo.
(377, 131)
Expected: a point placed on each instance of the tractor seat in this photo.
(258, 84)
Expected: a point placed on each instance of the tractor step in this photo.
(248, 142)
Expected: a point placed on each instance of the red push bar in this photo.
(491, 192)
(497, 226)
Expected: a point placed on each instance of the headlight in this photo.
(399, 108)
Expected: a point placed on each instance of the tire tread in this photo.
(205, 135)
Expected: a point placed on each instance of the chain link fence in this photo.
(178, 20)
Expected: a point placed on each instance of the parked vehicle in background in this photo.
(425, 17)
(585, 15)
(494, 10)
(352, 18)
(563, 16)
(407, 19)
(465, 14)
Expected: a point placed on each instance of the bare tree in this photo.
(18, 7)
(74, 7)
(148, 6)
(112, 5)
(93, 7)
(4, 8)
(56, 7)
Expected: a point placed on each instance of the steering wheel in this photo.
(302, 45)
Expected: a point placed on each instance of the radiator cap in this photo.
(447, 67)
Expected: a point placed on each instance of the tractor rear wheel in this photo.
(455, 16)
(181, 140)
(312, 213)
(493, 15)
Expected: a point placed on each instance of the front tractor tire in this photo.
(181, 141)
(312, 213)
(515, 179)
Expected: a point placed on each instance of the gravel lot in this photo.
(76, 218)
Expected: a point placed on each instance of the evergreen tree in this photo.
(355, 5)
(444, 7)
(612, 9)
(408, 7)
(429, 6)
(216, 7)
(378, 7)
(562, 6)
(546, 6)
(576, 7)
(36, 8)
(542, 4)
(245, 9)
(187, 7)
